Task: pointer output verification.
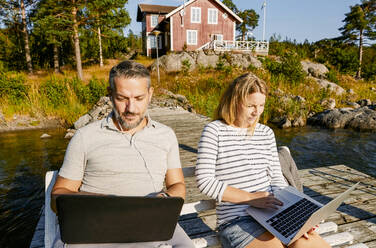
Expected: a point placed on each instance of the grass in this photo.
(65, 97)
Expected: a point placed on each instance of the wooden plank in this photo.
(363, 231)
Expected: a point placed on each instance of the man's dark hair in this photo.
(129, 69)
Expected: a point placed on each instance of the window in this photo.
(153, 41)
(191, 37)
(217, 37)
(212, 16)
(154, 20)
(195, 15)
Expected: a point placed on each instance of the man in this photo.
(126, 153)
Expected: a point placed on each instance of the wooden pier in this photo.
(357, 216)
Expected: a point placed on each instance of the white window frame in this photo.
(193, 10)
(151, 21)
(153, 42)
(192, 42)
(212, 10)
(218, 35)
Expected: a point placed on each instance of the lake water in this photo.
(25, 158)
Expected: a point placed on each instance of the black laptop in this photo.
(87, 219)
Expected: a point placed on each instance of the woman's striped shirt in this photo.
(229, 156)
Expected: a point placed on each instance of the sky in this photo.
(313, 20)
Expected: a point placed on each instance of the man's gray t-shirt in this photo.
(108, 161)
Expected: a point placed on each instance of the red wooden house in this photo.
(189, 26)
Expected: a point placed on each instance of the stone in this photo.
(363, 119)
(70, 133)
(181, 98)
(174, 62)
(329, 103)
(82, 121)
(325, 84)
(353, 104)
(45, 136)
(299, 99)
(298, 122)
(207, 60)
(314, 69)
(279, 92)
(351, 91)
(284, 122)
(364, 102)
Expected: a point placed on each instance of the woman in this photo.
(238, 165)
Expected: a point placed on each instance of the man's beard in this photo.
(124, 125)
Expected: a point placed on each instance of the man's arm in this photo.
(175, 182)
(63, 186)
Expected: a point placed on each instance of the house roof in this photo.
(154, 9)
(217, 1)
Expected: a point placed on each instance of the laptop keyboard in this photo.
(293, 218)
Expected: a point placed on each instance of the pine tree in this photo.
(249, 16)
(250, 21)
(107, 18)
(53, 21)
(360, 24)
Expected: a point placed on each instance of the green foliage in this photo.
(360, 24)
(220, 65)
(13, 87)
(332, 76)
(250, 21)
(55, 91)
(230, 5)
(186, 66)
(90, 93)
(289, 67)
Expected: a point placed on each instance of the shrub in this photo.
(90, 93)
(220, 65)
(13, 88)
(289, 67)
(97, 89)
(186, 65)
(55, 91)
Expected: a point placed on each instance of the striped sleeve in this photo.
(206, 164)
(277, 179)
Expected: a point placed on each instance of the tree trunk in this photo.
(56, 59)
(26, 37)
(359, 72)
(100, 47)
(76, 41)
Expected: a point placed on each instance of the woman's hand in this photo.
(264, 200)
(310, 231)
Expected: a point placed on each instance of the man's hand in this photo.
(264, 200)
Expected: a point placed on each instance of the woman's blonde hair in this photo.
(236, 94)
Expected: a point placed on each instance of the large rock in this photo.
(174, 62)
(244, 60)
(314, 69)
(325, 84)
(362, 118)
(82, 121)
(207, 60)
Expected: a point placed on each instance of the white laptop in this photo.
(298, 214)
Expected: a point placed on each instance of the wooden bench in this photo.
(197, 218)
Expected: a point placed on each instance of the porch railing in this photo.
(261, 47)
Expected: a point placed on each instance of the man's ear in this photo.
(151, 90)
